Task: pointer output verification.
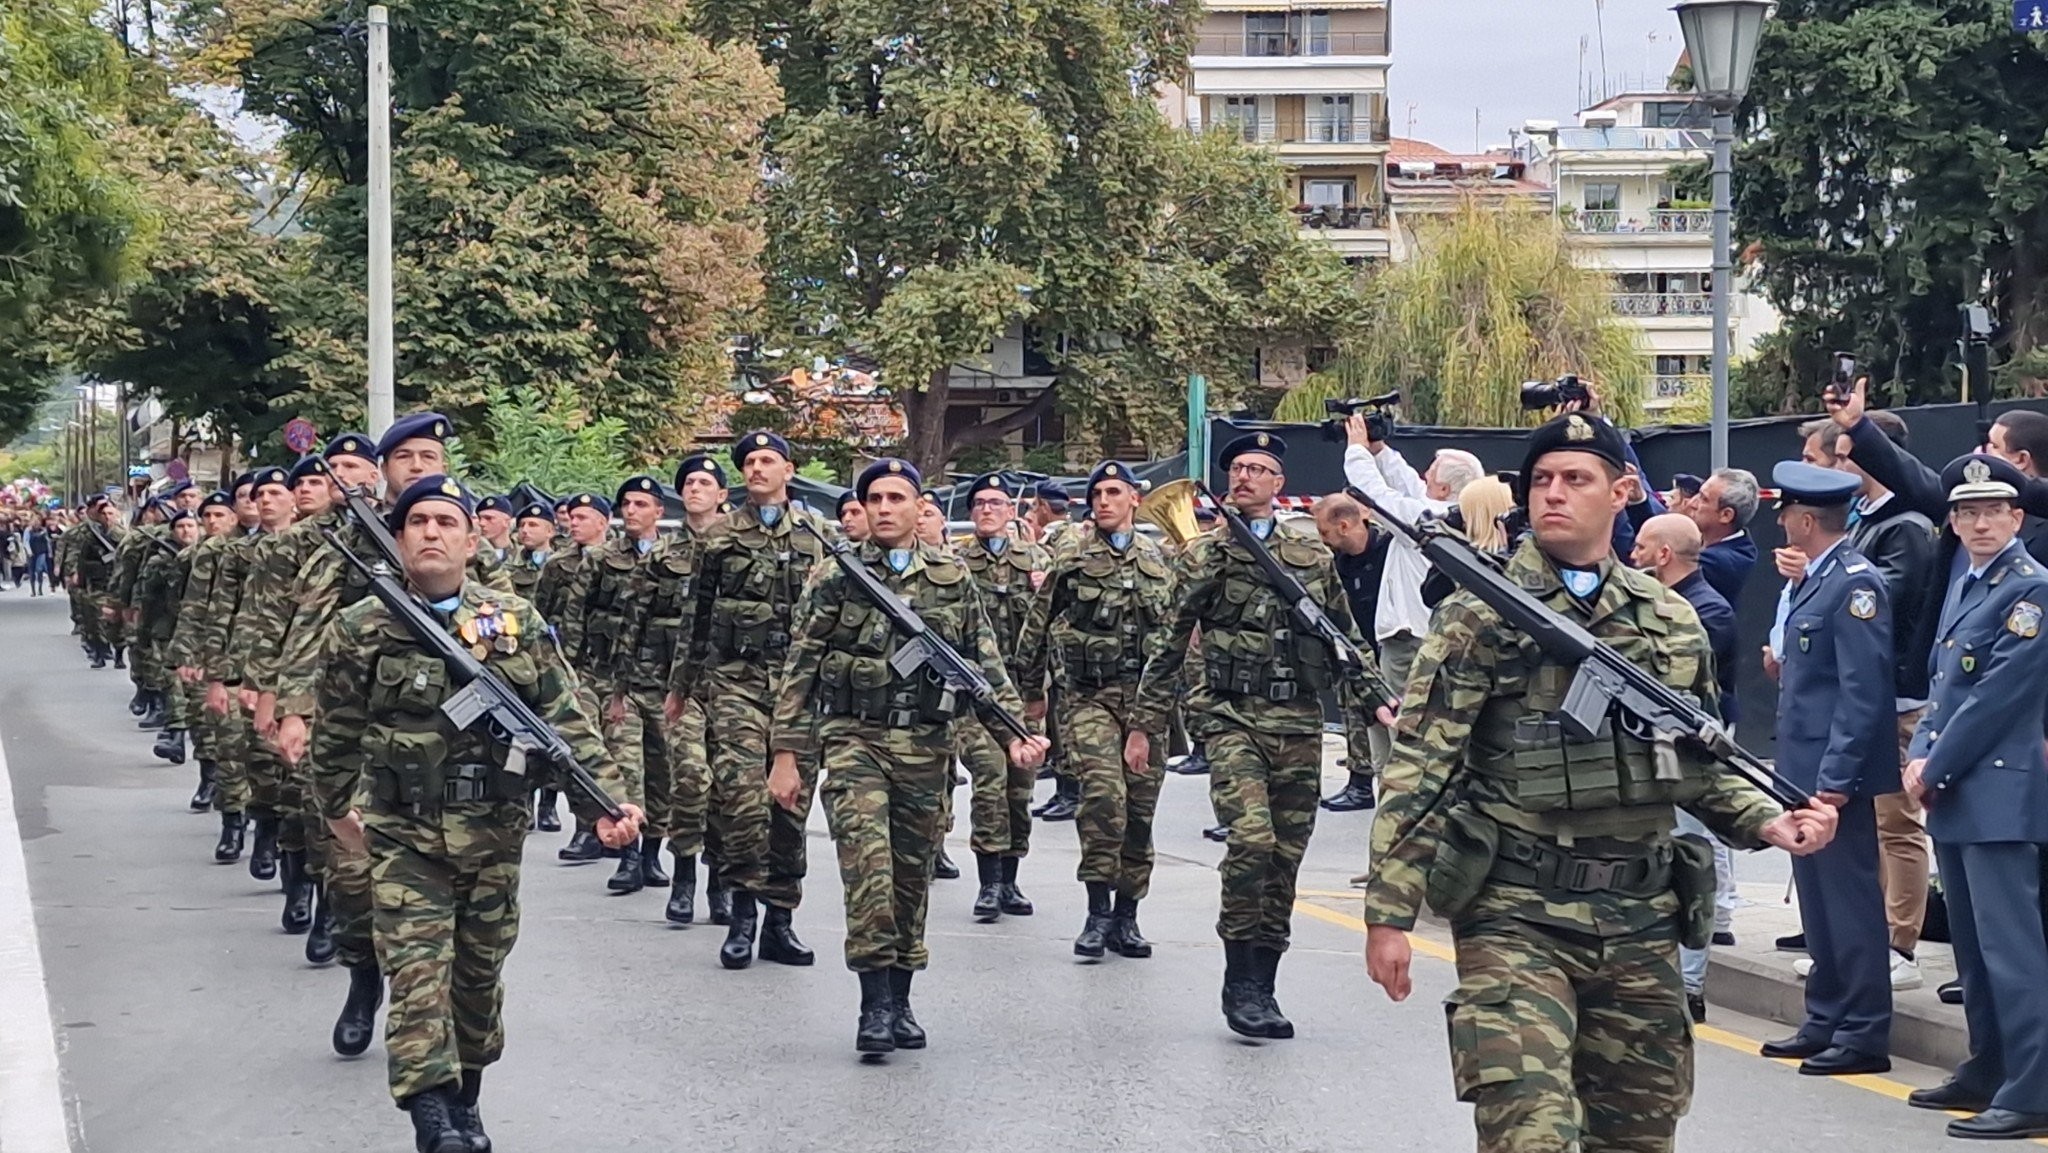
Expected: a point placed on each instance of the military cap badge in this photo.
(1976, 472)
(1576, 428)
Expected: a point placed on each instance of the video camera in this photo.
(1566, 389)
(1379, 416)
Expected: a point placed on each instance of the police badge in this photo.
(2024, 621)
(1863, 604)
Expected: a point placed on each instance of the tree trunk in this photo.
(925, 443)
(2027, 293)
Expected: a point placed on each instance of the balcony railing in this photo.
(1673, 387)
(1636, 139)
(1664, 221)
(1337, 216)
(1312, 130)
(1289, 44)
(1645, 304)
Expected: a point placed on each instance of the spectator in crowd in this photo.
(1361, 556)
(40, 542)
(1723, 509)
(1900, 543)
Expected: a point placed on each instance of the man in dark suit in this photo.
(1723, 509)
(1978, 766)
(1836, 739)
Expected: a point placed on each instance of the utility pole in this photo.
(382, 373)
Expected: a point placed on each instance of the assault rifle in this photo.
(1605, 679)
(1308, 616)
(921, 647)
(368, 521)
(484, 695)
(111, 550)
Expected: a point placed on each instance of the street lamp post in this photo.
(1720, 40)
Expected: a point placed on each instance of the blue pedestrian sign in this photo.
(2030, 15)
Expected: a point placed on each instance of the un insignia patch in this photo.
(2024, 620)
(1863, 604)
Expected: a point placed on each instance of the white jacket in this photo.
(1387, 477)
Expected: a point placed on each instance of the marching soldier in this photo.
(885, 740)
(209, 671)
(150, 524)
(853, 518)
(753, 566)
(448, 817)
(559, 597)
(1256, 706)
(494, 525)
(534, 539)
(92, 568)
(629, 689)
(213, 740)
(274, 805)
(1554, 859)
(1101, 616)
(1008, 572)
(159, 588)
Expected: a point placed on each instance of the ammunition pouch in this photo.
(1096, 660)
(1256, 677)
(867, 688)
(657, 648)
(1554, 772)
(1692, 878)
(1534, 863)
(748, 630)
(600, 640)
(1465, 855)
(426, 790)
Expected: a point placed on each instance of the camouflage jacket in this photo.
(274, 597)
(558, 596)
(750, 577)
(1008, 582)
(610, 578)
(219, 615)
(1220, 590)
(374, 670)
(834, 619)
(664, 594)
(202, 570)
(160, 590)
(128, 557)
(1467, 692)
(522, 568)
(96, 564)
(323, 584)
(1099, 617)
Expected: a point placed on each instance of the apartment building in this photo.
(1618, 201)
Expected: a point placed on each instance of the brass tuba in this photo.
(1171, 507)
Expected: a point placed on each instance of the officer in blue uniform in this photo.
(1838, 739)
(1977, 763)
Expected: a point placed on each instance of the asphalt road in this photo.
(187, 1023)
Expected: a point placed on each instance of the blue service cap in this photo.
(1813, 486)
(436, 487)
(887, 467)
(418, 426)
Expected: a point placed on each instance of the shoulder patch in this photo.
(2025, 620)
(1863, 604)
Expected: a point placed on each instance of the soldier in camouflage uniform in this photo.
(150, 524)
(853, 518)
(274, 801)
(1056, 530)
(494, 531)
(533, 539)
(1008, 571)
(213, 623)
(92, 568)
(751, 570)
(1101, 616)
(1257, 708)
(446, 815)
(559, 597)
(159, 589)
(1553, 858)
(221, 784)
(629, 683)
(886, 741)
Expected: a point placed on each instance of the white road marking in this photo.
(31, 1085)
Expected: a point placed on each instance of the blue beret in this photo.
(1111, 470)
(1050, 490)
(418, 426)
(590, 500)
(436, 487)
(174, 490)
(646, 485)
(271, 475)
(243, 481)
(351, 444)
(1260, 442)
(887, 466)
(218, 499)
(1570, 433)
(846, 498)
(1981, 476)
(1687, 483)
(178, 515)
(494, 504)
(756, 441)
(699, 462)
(308, 466)
(990, 482)
(537, 511)
(1813, 486)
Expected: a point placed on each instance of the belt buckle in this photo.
(1594, 876)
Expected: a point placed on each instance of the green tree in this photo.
(1490, 299)
(547, 439)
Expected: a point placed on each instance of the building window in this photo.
(1603, 198)
(1242, 111)
(1675, 114)
(1312, 33)
(1265, 34)
(1333, 122)
(1329, 193)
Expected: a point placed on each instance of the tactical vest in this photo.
(1101, 611)
(855, 678)
(525, 574)
(672, 574)
(1249, 644)
(607, 598)
(355, 584)
(755, 589)
(1006, 587)
(414, 757)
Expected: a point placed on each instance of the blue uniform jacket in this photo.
(1981, 736)
(1837, 728)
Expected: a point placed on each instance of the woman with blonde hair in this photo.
(1481, 504)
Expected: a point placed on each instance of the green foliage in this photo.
(548, 439)
(819, 471)
(1490, 299)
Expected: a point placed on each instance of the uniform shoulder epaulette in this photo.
(1859, 566)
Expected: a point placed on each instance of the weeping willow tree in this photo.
(1490, 298)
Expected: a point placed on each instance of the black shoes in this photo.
(1950, 992)
(1949, 1095)
(779, 941)
(628, 878)
(1837, 1061)
(120, 654)
(1060, 808)
(320, 946)
(1094, 939)
(139, 703)
(546, 820)
(943, 868)
(988, 903)
(716, 894)
(583, 847)
(682, 893)
(1265, 975)
(229, 849)
(1696, 1005)
(877, 1030)
(1352, 797)
(465, 1113)
(99, 656)
(2000, 1125)
(903, 1028)
(1796, 1047)
(1124, 938)
(1796, 943)
(1011, 898)
(738, 950)
(1243, 1006)
(651, 873)
(433, 1122)
(170, 746)
(1217, 833)
(298, 893)
(263, 854)
(153, 710)
(358, 1020)
(1724, 940)
(209, 786)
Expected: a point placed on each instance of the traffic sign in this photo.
(299, 435)
(2030, 15)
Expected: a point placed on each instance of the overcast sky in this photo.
(1517, 60)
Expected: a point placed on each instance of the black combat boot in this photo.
(779, 941)
(1093, 941)
(546, 819)
(903, 1028)
(943, 868)
(358, 1020)
(1014, 902)
(1195, 764)
(466, 1114)
(98, 652)
(139, 703)
(152, 710)
(229, 848)
(716, 894)
(320, 945)
(1352, 797)
(170, 746)
(583, 846)
(298, 892)
(988, 904)
(1066, 801)
(738, 950)
(120, 656)
(627, 879)
(433, 1123)
(1217, 833)
(209, 786)
(1244, 1008)
(877, 1032)
(651, 873)
(682, 893)
(1124, 938)
(1265, 969)
(263, 852)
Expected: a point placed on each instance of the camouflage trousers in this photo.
(689, 782)
(789, 857)
(344, 879)
(81, 610)
(446, 892)
(881, 793)
(1000, 815)
(228, 737)
(146, 663)
(1563, 1042)
(639, 743)
(275, 790)
(737, 808)
(1114, 819)
(1265, 787)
